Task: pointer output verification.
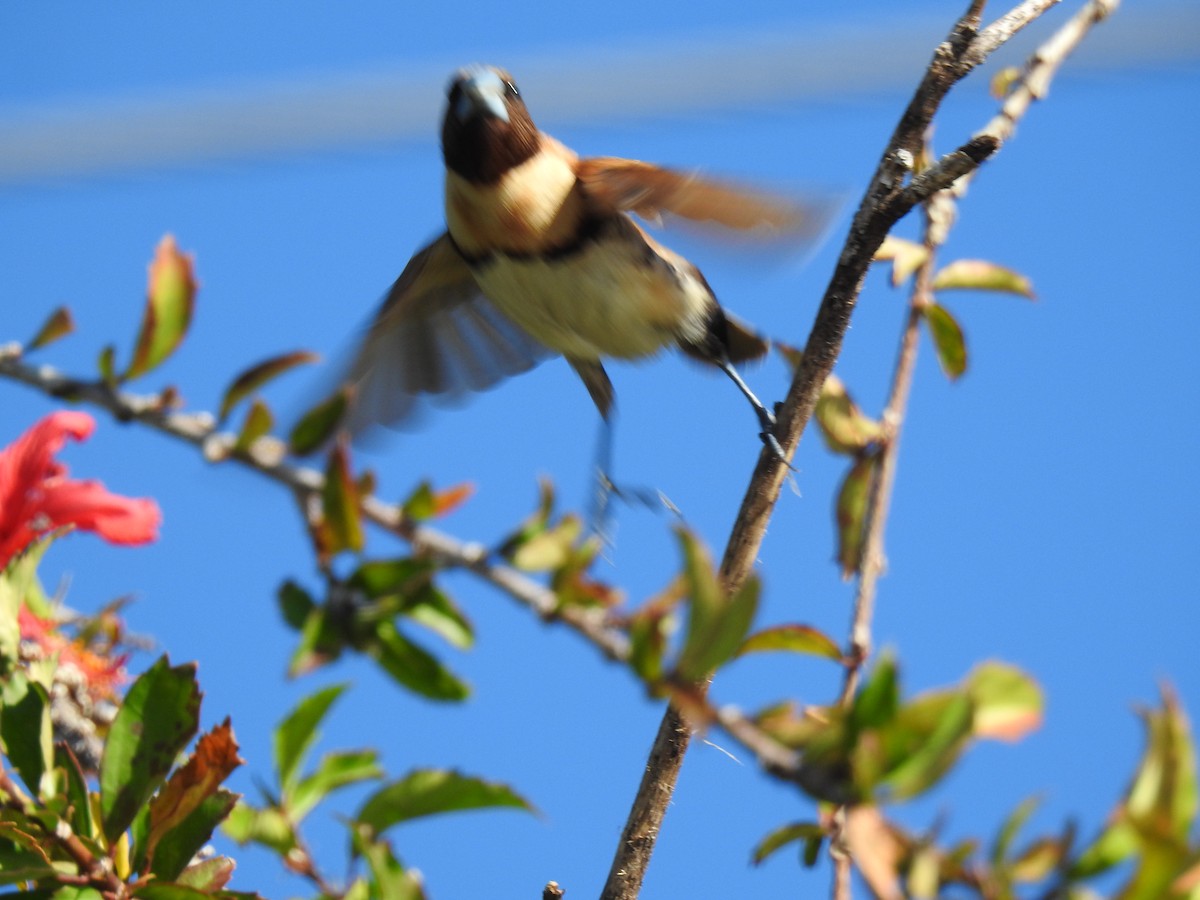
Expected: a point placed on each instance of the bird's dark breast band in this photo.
(590, 229)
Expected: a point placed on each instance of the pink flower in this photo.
(36, 496)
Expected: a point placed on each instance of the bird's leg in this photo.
(599, 514)
(766, 419)
(600, 517)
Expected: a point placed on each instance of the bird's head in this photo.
(487, 129)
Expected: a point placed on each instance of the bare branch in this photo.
(886, 200)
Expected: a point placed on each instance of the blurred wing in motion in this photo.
(436, 334)
(652, 192)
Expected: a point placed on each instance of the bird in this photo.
(541, 256)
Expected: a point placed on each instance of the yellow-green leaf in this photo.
(1003, 81)
(549, 549)
(851, 513)
(58, 325)
(426, 792)
(340, 502)
(107, 365)
(845, 429)
(258, 423)
(716, 622)
(256, 376)
(170, 298)
(1008, 703)
(1163, 799)
(948, 339)
(787, 834)
(981, 275)
(319, 424)
(906, 257)
(792, 639)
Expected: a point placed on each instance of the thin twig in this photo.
(266, 458)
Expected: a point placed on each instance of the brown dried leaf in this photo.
(215, 757)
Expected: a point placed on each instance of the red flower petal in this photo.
(36, 496)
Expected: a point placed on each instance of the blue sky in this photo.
(1045, 506)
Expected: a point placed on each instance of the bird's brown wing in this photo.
(436, 333)
(652, 191)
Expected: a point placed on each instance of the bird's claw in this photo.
(767, 435)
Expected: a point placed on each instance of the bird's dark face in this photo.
(487, 129)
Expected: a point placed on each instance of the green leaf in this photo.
(389, 876)
(649, 628)
(27, 733)
(717, 623)
(1012, 826)
(256, 376)
(163, 890)
(792, 639)
(76, 789)
(877, 703)
(295, 603)
(343, 528)
(924, 877)
(935, 752)
(298, 730)
(336, 770)
(170, 298)
(787, 834)
(1008, 703)
(1037, 861)
(845, 429)
(17, 865)
(208, 875)
(106, 364)
(411, 665)
(426, 503)
(319, 424)
(436, 611)
(69, 892)
(421, 504)
(320, 642)
(1163, 798)
(948, 339)
(1115, 844)
(267, 827)
(850, 512)
(58, 325)
(406, 587)
(549, 549)
(427, 792)
(1162, 861)
(176, 849)
(981, 275)
(258, 424)
(159, 716)
(379, 578)
(12, 593)
(704, 652)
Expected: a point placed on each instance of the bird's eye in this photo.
(510, 89)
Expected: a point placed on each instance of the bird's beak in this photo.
(482, 97)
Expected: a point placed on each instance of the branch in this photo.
(885, 201)
(266, 457)
(96, 871)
